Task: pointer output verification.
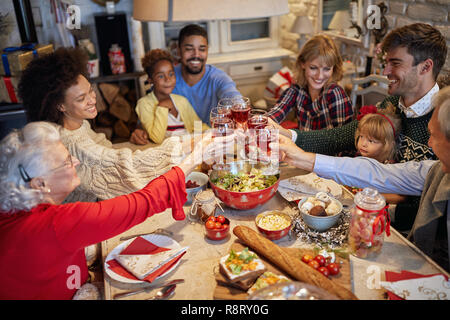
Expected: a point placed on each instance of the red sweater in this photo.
(42, 251)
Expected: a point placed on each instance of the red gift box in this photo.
(8, 89)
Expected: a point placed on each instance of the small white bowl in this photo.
(320, 223)
(202, 181)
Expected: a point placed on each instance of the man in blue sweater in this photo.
(202, 84)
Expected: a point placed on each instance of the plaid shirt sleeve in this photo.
(286, 102)
(339, 106)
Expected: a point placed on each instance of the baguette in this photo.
(292, 266)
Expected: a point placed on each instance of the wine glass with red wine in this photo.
(240, 111)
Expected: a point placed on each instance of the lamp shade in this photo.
(193, 10)
(340, 21)
(302, 25)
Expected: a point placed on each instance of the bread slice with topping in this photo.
(240, 266)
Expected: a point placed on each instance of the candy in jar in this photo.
(368, 223)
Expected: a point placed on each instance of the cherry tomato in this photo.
(324, 271)
(333, 268)
(218, 225)
(212, 218)
(220, 219)
(307, 258)
(314, 264)
(320, 259)
(210, 224)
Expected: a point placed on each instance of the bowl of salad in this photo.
(244, 184)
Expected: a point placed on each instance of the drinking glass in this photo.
(257, 119)
(240, 111)
(225, 103)
(221, 120)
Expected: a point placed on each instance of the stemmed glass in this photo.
(225, 103)
(240, 111)
(257, 119)
(221, 120)
(222, 125)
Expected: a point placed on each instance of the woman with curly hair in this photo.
(55, 88)
(319, 101)
(42, 240)
(162, 113)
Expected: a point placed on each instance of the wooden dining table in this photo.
(198, 266)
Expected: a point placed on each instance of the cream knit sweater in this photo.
(106, 172)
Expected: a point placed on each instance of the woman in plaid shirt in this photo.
(320, 103)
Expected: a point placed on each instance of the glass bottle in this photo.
(369, 220)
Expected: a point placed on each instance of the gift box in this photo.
(278, 83)
(8, 89)
(15, 59)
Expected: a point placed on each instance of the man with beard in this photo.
(414, 56)
(202, 84)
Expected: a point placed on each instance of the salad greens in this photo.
(245, 182)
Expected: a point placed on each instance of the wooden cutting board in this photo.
(226, 292)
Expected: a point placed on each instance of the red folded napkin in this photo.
(142, 246)
(404, 275)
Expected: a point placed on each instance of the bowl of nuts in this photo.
(320, 212)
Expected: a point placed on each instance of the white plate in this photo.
(311, 184)
(157, 239)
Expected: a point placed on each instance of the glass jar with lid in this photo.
(369, 221)
(204, 206)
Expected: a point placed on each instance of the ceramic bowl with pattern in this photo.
(242, 200)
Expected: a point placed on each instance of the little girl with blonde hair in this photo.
(376, 137)
(376, 134)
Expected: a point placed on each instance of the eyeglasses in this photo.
(67, 163)
(26, 177)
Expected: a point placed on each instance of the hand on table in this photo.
(139, 136)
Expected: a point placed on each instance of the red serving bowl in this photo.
(242, 200)
(218, 234)
(273, 234)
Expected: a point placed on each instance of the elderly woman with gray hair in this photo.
(429, 179)
(41, 238)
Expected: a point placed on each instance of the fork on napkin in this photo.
(158, 259)
(413, 286)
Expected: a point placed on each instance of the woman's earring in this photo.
(44, 189)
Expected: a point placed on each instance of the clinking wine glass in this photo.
(226, 103)
(257, 119)
(221, 120)
(240, 111)
(222, 125)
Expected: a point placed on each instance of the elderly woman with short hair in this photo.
(40, 238)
